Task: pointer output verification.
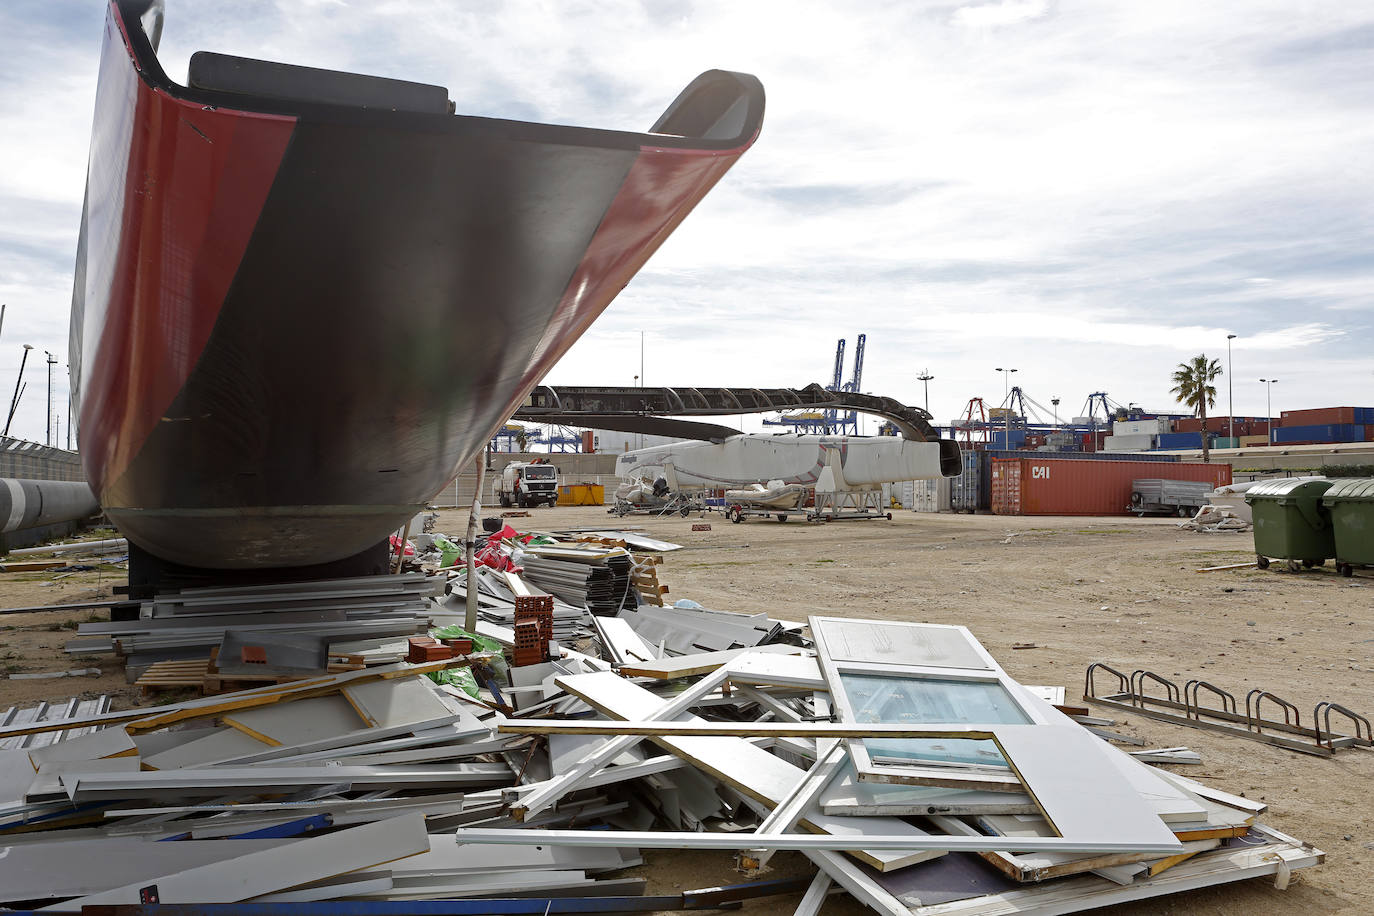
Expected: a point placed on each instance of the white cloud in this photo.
(1089, 192)
(1008, 12)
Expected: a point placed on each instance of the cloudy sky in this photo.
(1089, 192)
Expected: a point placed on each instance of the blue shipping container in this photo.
(1181, 440)
(1321, 432)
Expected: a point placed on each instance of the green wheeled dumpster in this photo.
(1351, 504)
(1291, 523)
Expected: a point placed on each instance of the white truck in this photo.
(529, 483)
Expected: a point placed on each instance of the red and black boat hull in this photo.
(297, 319)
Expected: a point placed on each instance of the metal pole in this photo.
(48, 436)
(641, 356)
(469, 545)
(14, 401)
(1230, 392)
(925, 378)
(1269, 404)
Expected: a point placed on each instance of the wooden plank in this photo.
(303, 862)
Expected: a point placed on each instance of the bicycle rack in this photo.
(1194, 708)
(1321, 714)
(1186, 707)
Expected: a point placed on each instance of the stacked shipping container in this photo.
(1038, 486)
(971, 491)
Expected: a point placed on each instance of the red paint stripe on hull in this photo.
(193, 183)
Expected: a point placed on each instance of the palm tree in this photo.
(1193, 386)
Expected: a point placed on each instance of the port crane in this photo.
(832, 421)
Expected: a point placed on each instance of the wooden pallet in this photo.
(644, 577)
(173, 675)
(201, 674)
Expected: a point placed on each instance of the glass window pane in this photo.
(916, 700)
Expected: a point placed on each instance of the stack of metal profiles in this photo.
(597, 579)
(188, 623)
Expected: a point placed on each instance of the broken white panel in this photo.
(292, 865)
(848, 796)
(397, 702)
(298, 721)
(223, 743)
(107, 742)
(745, 767)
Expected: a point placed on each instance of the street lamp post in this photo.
(1230, 392)
(51, 361)
(1006, 401)
(1269, 404)
(1055, 402)
(924, 378)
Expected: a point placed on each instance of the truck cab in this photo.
(527, 484)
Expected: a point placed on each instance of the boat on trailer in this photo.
(304, 299)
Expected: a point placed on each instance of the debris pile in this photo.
(899, 758)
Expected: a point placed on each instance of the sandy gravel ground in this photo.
(1124, 591)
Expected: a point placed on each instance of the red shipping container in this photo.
(1319, 416)
(1188, 425)
(1369, 434)
(1046, 486)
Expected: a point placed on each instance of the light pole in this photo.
(1006, 401)
(1230, 393)
(51, 360)
(1269, 404)
(1055, 402)
(924, 378)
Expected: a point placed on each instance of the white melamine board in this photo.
(1077, 786)
(69, 868)
(299, 721)
(258, 779)
(221, 744)
(1165, 798)
(700, 662)
(387, 704)
(341, 888)
(107, 742)
(53, 779)
(1208, 793)
(892, 643)
(150, 744)
(566, 751)
(622, 642)
(747, 768)
(848, 796)
(280, 868)
(446, 887)
(446, 857)
(16, 774)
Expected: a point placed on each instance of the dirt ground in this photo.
(1123, 591)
